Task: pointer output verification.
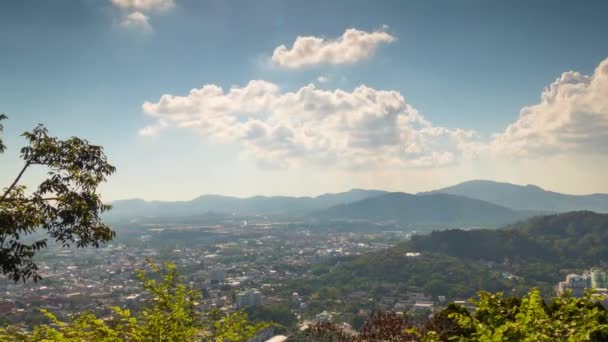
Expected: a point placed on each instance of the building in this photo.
(575, 283)
(296, 300)
(217, 276)
(466, 304)
(423, 306)
(248, 298)
(323, 317)
(599, 278)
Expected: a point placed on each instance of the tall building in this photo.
(296, 300)
(248, 298)
(217, 275)
(599, 278)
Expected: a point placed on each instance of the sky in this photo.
(192, 97)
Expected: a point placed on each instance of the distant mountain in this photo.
(528, 197)
(258, 205)
(432, 210)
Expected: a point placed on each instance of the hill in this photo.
(578, 237)
(538, 253)
(258, 205)
(528, 197)
(432, 210)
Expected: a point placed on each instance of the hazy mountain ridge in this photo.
(256, 205)
(426, 210)
(476, 203)
(526, 197)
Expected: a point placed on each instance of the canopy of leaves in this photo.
(65, 205)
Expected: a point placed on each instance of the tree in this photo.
(566, 318)
(496, 318)
(65, 205)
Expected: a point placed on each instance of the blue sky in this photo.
(82, 68)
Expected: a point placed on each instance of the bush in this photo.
(496, 319)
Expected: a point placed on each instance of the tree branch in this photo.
(29, 199)
(10, 188)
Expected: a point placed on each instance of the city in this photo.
(314, 171)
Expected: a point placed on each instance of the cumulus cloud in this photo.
(361, 128)
(354, 45)
(367, 127)
(147, 6)
(571, 117)
(137, 20)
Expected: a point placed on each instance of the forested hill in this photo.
(538, 252)
(579, 236)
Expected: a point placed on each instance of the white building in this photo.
(577, 283)
(248, 298)
(423, 306)
(323, 317)
(599, 278)
(296, 300)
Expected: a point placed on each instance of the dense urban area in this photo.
(267, 267)
(236, 264)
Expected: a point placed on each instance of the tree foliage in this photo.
(170, 315)
(65, 205)
(496, 318)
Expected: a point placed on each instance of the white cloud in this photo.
(136, 13)
(571, 117)
(359, 129)
(147, 6)
(323, 79)
(354, 45)
(367, 127)
(137, 20)
(154, 129)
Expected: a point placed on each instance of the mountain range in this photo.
(257, 205)
(526, 197)
(474, 203)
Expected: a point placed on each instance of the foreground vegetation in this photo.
(170, 314)
(65, 206)
(497, 318)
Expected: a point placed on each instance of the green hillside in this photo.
(538, 252)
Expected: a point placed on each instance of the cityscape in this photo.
(238, 264)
